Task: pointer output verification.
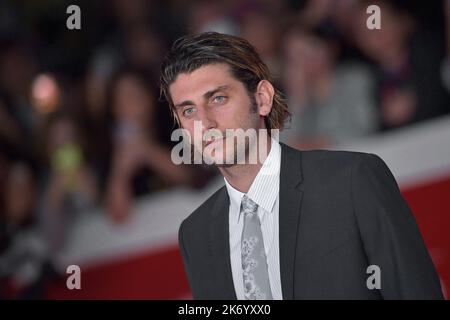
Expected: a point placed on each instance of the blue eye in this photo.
(220, 99)
(188, 112)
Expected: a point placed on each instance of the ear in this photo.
(264, 97)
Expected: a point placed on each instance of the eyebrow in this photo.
(206, 95)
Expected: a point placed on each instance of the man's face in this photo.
(213, 96)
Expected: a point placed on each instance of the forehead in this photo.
(190, 85)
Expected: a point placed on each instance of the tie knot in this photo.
(248, 205)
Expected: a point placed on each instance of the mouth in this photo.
(212, 141)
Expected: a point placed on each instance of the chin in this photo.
(221, 155)
(224, 165)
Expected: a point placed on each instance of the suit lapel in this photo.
(289, 215)
(220, 247)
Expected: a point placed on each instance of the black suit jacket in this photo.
(339, 213)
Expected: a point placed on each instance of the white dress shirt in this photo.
(264, 191)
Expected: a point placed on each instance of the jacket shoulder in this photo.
(329, 165)
(336, 155)
(341, 159)
(204, 211)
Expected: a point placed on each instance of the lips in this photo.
(212, 141)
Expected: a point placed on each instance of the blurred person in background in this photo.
(334, 17)
(71, 186)
(136, 35)
(253, 23)
(330, 102)
(205, 15)
(144, 48)
(140, 162)
(445, 68)
(19, 121)
(407, 61)
(24, 255)
(11, 134)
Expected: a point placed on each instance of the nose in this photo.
(207, 119)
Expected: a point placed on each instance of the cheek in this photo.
(188, 129)
(236, 112)
(244, 119)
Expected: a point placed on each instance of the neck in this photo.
(241, 176)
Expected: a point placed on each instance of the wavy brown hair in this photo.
(189, 53)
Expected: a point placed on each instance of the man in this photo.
(294, 224)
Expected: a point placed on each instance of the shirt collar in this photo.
(265, 187)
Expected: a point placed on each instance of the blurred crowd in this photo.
(82, 124)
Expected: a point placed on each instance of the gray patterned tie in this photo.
(254, 263)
